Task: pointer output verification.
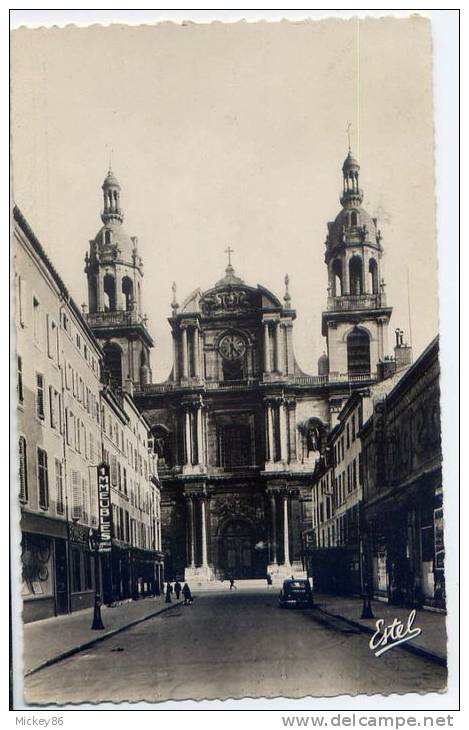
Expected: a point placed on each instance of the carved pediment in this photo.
(228, 300)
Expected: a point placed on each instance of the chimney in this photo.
(402, 351)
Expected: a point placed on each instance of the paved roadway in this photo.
(232, 644)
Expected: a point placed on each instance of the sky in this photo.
(231, 134)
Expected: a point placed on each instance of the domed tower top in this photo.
(352, 196)
(112, 212)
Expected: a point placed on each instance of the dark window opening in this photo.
(337, 280)
(234, 446)
(128, 292)
(234, 369)
(43, 479)
(356, 275)
(109, 293)
(358, 352)
(373, 272)
(113, 364)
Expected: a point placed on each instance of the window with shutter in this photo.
(77, 435)
(91, 443)
(85, 490)
(36, 321)
(20, 288)
(40, 396)
(43, 478)
(113, 470)
(59, 411)
(59, 487)
(52, 406)
(23, 469)
(77, 507)
(50, 346)
(20, 379)
(84, 440)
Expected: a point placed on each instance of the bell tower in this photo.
(356, 320)
(114, 269)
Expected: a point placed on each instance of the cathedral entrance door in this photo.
(237, 550)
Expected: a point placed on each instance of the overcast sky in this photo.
(231, 134)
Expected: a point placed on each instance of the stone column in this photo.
(200, 454)
(99, 292)
(286, 536)
(196, 337)
(283, 432)
(175, 356)
(289, 366)
(291, 413)
(277, 351)
(184, 352)
(270, 434)
(273, 534)
(203, 519)
(266, 348)
(119, 295)
(190, 531)
(345, 276)
(187, 435)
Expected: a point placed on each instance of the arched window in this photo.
(356, 275)
(373, 273)
(354, 218)
(113, 363)
(109, 293)
(107, 237)
(92, 294)
(337, 280)
(358, 352)
(128, 292)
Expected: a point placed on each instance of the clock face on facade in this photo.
(232, 347)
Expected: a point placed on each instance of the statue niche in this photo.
(313, 437)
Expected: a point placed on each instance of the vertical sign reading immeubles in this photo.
(104, 499)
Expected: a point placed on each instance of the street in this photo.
(232, 645)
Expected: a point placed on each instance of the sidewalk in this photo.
(431, 643)
(52, 639)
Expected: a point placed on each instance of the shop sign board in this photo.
(105, 516)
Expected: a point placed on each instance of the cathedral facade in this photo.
(238, 425)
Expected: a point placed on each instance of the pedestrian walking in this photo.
(169, 590)
(232, 584)
(269, 579)
(186, 592)
(177, 589)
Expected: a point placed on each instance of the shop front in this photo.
(82, 568)
(44, 567)
(405, 544)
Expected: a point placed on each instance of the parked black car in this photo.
(296, 593)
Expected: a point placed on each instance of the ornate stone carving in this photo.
(226, 300)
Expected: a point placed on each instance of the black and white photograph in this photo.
(227, 419)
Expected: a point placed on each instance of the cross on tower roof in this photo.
(229, 251)
(349, 127)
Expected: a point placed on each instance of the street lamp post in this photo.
(367, 611)
(93, 542)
